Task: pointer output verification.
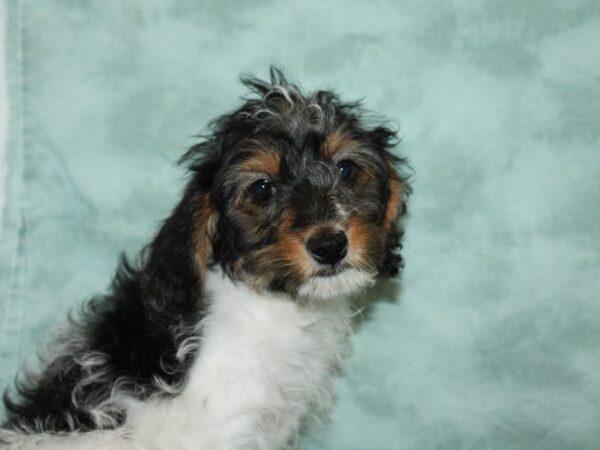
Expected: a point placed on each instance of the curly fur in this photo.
(190, 340)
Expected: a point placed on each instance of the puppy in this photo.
(228, 332)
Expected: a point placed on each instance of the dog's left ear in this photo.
(396, 192)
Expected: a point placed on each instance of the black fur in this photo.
(129, 338)
(137, 327)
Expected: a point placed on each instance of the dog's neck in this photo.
(264, 365)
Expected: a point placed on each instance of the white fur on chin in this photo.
(340, 285)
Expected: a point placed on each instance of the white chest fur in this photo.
(265, 365)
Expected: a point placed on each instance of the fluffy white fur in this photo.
(343, 284)
(265, 366)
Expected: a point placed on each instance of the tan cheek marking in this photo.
(359, 235)
(336, 141)
(291, 248)
(266, 162)
(286, 255)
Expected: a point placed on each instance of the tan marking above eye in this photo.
(336, 141)
(264, 162)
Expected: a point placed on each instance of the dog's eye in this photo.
(346, 169)
(261, 190)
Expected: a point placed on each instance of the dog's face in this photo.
(298, 195)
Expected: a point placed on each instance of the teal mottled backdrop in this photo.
(493, 340)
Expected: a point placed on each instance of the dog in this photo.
(228, 331)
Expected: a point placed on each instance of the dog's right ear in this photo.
(175, 262)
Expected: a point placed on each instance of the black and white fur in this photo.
(228, 332)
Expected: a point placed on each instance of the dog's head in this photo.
(295, 193)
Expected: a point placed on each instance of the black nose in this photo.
(328, 248)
